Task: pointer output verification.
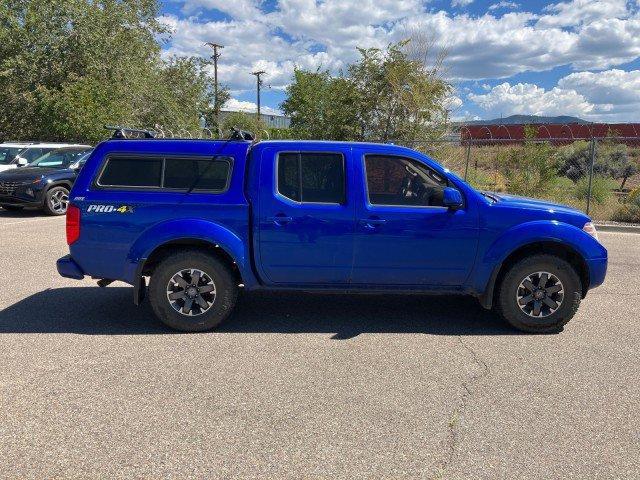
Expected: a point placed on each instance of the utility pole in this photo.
(258, 85)
(216, 103)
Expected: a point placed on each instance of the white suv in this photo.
(19, 154)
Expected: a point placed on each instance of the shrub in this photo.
(531, 170)
(634, 197)
(483, 180)
(601, 188)
(561, 190)
(611, 160)
(628, 212)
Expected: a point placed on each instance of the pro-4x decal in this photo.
(109, 209)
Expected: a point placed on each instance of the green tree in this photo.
(69, 67)
(321, 106)
(385, 96)
(398, 98)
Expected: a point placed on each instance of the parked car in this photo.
(20, 154)
(44, 183)
(8, 153)
(202, 219)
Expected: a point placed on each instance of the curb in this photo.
(618, 228)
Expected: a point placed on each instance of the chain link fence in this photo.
(599, 176)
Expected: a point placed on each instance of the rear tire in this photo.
(56, 201)
(192, 291)
(529, 308)
(12, 208)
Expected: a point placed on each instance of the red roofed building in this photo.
(561, 133)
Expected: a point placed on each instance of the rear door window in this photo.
(289, 176)
(310, 177)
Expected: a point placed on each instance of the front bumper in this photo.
(597, 271)
(16, 202)
(19, 198)
(68, 268)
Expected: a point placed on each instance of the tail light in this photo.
(73, 224)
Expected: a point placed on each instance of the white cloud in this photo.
(235, 105)
(529, 99)
(461, 3)
(608, 96)
(492, 47)
(453, 102)
(584, 34)
(615, 93)
(249, 45)
(504, 4)
(578, 12)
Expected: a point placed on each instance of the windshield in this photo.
(61, 158)
(81, 159)
(7, 154)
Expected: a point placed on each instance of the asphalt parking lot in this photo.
(297, 386)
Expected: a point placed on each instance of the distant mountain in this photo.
(527, 119)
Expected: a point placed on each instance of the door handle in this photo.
(280, 219)
(372, 222)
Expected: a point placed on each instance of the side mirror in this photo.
(21, 162)
(452, 198)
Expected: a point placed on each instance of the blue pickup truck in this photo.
(202, 219)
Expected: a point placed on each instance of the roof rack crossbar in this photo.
(238, 134)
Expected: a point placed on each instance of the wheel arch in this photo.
(58, 183)
(164, 238)
(162, 251)
(547, 247)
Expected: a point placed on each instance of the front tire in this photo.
(56, 201)
(539, 294)
(192, 291)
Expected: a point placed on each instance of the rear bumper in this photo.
(68, 268)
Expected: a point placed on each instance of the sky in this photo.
(504, 57)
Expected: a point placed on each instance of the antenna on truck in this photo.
(122, 133)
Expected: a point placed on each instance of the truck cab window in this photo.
(393, 180)
(311, 177)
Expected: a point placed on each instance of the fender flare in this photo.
(488, 267)
(185, 229)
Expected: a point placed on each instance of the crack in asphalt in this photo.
(459, 411)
